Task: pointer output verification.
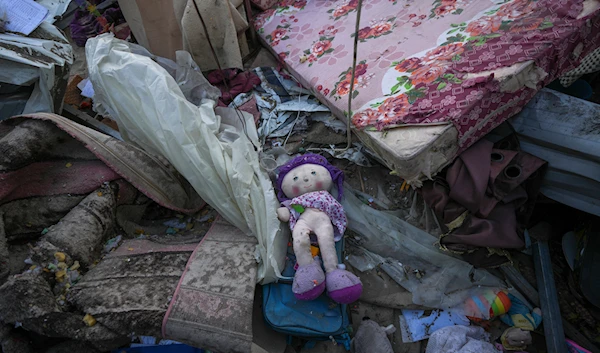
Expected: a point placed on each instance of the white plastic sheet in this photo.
(409, 255)
(209, 149)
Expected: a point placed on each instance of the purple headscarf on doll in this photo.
(310, 158)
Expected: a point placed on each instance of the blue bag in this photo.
(314, 320)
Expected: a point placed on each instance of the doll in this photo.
(304, 184)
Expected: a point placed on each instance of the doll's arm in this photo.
(283, 214)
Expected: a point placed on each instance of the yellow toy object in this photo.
(314, 250)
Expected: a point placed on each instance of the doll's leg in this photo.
(324, 232)
(309, 280)
(343, 286)
(301, 242)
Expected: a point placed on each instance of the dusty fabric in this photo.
(4, 267)
(485, 199)
(14, 342)
(223, 22)
(232, 82)
(84, 229)
(156, 27)
(72, 346)
(28, 299)
(589, 64)
(460, 339)
(212, 305)
(47, 143)
(371, 338)
(130, 289)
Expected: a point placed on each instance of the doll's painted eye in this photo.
(296, 178)
(313, 173)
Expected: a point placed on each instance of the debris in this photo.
(460, 339)
(157, 128)
(89, 22)
(60, 275)
(174, 223)
(41, 61)
(89, 320)
(370, 337)
(353, 154)
(60, 256)
(284, 106)
(81, 232)
(415, 325)
(4, 253)
(87, 90)
(22, 16)
(385, 238)
(112, 243)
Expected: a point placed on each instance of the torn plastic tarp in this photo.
(210, 150)
(43, 59)
(408, 255)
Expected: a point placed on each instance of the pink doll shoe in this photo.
(343, 287)
(309, 281)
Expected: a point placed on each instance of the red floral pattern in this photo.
(516, 9)
(286, 6)
(485, 25)
(408, 65)
(376, 29)
(445, 52)
(412, 82)
(446, 7)
(343, 8)
(320, 47)
(361, 80)
(427, 74)
(280, 33)
(526, 24)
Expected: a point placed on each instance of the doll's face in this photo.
(306, 178)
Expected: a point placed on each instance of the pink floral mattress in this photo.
(431, 61)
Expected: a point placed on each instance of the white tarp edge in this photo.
(211, 151)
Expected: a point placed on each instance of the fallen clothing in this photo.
(460, 339)
(232, 82)
(485, 199)
(49, 157)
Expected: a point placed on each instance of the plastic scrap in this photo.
(112, 243)
(353, 154)
(408, 255)
(174, 223)
(416, 325)
(214, 149)
(460, 339)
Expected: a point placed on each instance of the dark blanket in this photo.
(483, 201)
